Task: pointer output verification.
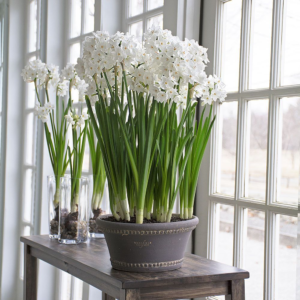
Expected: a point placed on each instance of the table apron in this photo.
(74, 271)
(193, 290)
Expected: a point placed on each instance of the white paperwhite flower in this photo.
(79, 122)
(171, 93)
(35, 70)
(69, 72)
(161, 97)
(62, 88)
(206, 100)
(213, 92)
(211, 82)
(42, 112)
(75, 120)
(81, 86)
(49, 106)
(84, 116)
(53, 73)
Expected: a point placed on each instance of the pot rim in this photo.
(165, 225)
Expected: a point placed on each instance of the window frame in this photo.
(3, 114)
(207, 199)
(144, 16)
(35, 166)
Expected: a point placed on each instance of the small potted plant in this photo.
(55, 123)
(45, 76)
(73, 208)
(142, 102)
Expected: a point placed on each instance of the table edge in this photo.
(111, 280)
(239, 274)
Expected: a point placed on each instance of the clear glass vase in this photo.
(73, 210)
(96, 211)
(53, 206)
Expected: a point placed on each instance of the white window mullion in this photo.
(272, 162)
(244, 51)
(212, 228)
(266, 93)
(269, 261)
(241, 149)
(276, 42)
(144, 16)
(238, 235)
(215, 139)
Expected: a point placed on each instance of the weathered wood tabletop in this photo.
(90, 262)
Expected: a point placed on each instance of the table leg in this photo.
(237, 289)
(107, 297)
(130, 294)
(30, 275)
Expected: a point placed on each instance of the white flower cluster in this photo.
(35, 70)
(69, 73)
(75, 120)
(42, 112)
(49, 75)
(213, 91)
(162, 65)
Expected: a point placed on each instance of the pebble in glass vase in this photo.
(53, 205)
(73, 210)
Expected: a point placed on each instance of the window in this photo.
(254, 165)
(33, 51)
(3, 96)
(143, 14)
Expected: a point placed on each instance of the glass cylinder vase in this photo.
(98, 207)
(73, 210)
(53, 206)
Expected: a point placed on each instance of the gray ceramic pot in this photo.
(153, 247)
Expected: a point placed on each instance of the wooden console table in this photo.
(198, 277)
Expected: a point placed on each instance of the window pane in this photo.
(223, 244)
(288, 151)
(286, 258)
(260, 44)
(30, 136)
(89, 17)
(28, 187)
(256, 149)
(74, 53)
(135, 7)
(156, 21)
(155, 3)
(75, 18)
(231, 38)
(137, 30)
(32, 26)
(30, 95)
(290, 59)
(253, 253)
(227, 148)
